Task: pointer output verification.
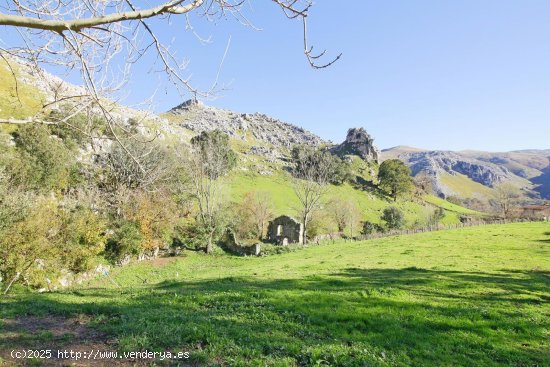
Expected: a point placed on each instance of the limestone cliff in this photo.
(358, 142)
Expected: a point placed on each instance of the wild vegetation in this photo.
(72, 206)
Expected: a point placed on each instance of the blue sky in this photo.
(437, 74)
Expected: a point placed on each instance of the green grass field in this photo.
(468, 297)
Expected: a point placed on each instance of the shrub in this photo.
(370, 228)
(126, 240)
(437, 216)
(393, 217)
(83, 239)
(320, 224)
(42, 162)
(43, 237)
(154, 214)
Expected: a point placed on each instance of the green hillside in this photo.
(279, 186)
(468, 297)
(17, 100)
(464, 187)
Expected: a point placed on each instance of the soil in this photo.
(57, 333)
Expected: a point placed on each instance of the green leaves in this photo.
(395, 178)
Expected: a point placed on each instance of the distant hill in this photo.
(475, 174)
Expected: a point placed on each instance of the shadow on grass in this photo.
(353, 317)
(547, 240)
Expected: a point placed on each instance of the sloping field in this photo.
(370, 204)
(468, 297)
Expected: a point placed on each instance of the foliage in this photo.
(126, 240)
(82, 237)
(437, 216)
(75, 130)
(395, 178)
(215, 153)
(42, 162)
(393, 217)
(252, 215)
(345, 213)
(49, 239)
(321, 223)
(210, 160)
(313, 169)
(285, 201)
(154, 214)
(318, 165)
(370, 228)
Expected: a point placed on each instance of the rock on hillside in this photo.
(433, 163)
(358, 142)
(197, 117)
(523, 169)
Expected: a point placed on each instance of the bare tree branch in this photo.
(77, 25)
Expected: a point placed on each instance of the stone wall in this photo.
(285, 230)
(229, 243)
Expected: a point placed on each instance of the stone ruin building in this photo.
(285, 230)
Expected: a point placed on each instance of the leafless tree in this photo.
(344, 212)
(123, 172)
(507, 197)
(312, 174)
(258, 205)
(101, 40)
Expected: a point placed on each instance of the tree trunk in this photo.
(12, 281)
(209, 246)
(304, 233)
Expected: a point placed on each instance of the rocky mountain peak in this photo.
(189, 104)
(358, 142)
(197, 117)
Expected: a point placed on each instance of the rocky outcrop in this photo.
(433, 163)
(197, 117)
(358, 142)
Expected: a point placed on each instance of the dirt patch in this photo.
(159, 262)
(58, 335)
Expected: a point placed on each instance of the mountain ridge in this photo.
(525, 169)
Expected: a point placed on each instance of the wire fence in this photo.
(429, 228)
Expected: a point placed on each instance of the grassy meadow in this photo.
(370, 204)
(468, 297)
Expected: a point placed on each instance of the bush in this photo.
(83, 238)
(268, 249)
(42, 161)
(394, 218)
(47, 240)
(126, 240)
(437, 216)
(370, 228)
(320, 224)
(154, 214)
